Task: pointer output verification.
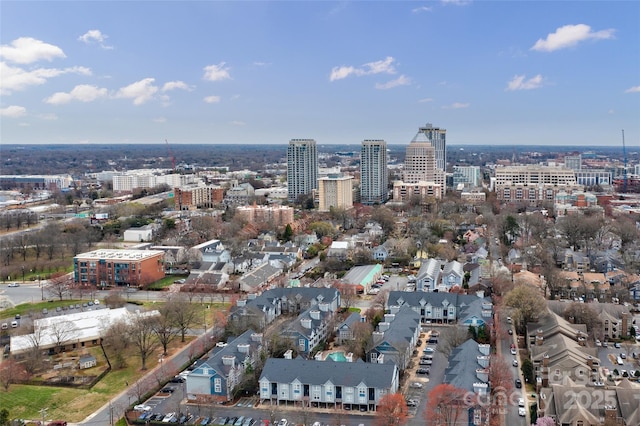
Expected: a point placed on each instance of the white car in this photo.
(142, 407)
(514, 362)
(416, 385)
(520, 402)
(283, 422)
(168, 418)
(513, 351)
(522, 412)
(13, 285)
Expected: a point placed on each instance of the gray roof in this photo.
(463, 362)
(295, 328)
(260, 275)
(278, 370)
(214, 362)
(352, 319)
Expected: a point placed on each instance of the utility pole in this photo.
(43, 412)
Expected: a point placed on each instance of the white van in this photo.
(619, 360)
(14, 324)
(5, 325)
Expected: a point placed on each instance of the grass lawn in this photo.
(74, 405)
(166, 282)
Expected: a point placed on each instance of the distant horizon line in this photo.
(286, 143)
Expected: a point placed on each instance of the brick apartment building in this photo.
(111, 268)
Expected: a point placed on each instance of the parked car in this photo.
(518, 383)
(422, 371)
(514, 362)
(510, 332)
(14, 285)
(142, 407)
(416, 385)
(522, 412)
(514, 351)
(412, 403)
(616, 345)
(283, 422)
(520, 402)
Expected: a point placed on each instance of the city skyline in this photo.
(491, 73)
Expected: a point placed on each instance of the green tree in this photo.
(288, 233)
(527, 370)
(4, 417)
(510, 230)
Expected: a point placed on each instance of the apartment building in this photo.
(533, 184)
(374, 172)
(110, 268)
(335, 191)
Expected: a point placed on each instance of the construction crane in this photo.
(173, 158)
(624, 172)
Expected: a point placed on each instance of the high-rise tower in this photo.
(374, 173)
(302, 167)
(420, 160)
(438, 139)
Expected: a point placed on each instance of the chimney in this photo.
(383, 326)
(480, 388)
(241, 302)
(482, 374)
(324, 307)
(288, 354)
(394, 309)
(389, 317)
(256, 337)
(539, 338)
(484, 349)
(610, 415)
(314, 314)
(545, 361)
(229, 360)
(483, 361)
(243, 348)
(306, 323)
(252, 296)
(625, 325)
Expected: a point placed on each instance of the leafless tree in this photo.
(33, 355)
(58, 285)
(62, 332)
(11, 371)
(164, 326)
(142, 336)
(450, 338)
(115, 342)
(183, 313)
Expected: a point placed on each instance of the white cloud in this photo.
(518, 82)
(212, 99)
(238, 123)
(400, 81)
(384, 66)
(95, 36)
(423, 100)
(26, 50)
(456, 2)
(172, 85)
(16, 78)
(13, 111)
(569, 36)
(140, 91)
(216, 72)
(160, 120)
(634, 89)
(457, 105)
(82, 93)
(421, 9)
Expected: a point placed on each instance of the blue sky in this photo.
(490, 72)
